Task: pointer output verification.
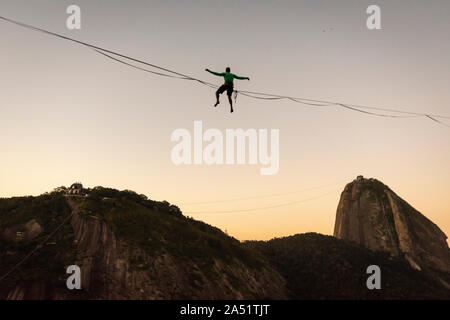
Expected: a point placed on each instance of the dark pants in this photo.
(228, 87)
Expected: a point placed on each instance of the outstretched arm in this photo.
(214, 73)
(242, 78)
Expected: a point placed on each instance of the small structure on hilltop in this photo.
(75, 189)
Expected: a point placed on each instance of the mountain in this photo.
(131, 247)
(128, 247)
(324, 267)
(371, 214)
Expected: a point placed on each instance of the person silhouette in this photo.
(228, 86)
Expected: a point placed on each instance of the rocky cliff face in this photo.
(372, 215)
(112, 269)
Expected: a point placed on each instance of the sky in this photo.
(68, 114)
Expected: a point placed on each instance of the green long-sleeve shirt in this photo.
(228, 76)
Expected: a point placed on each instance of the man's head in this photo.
(228, 69)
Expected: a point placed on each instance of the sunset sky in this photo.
(68, 114)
